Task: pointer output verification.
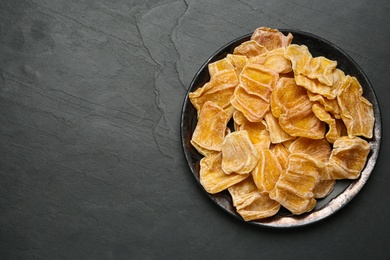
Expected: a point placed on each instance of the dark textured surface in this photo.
(91, 165)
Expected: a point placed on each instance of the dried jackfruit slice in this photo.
(267, 171)
(257, 131)
(249, 49)
(238, 61)
(258, 80)
(273, 60)
(324, 188)
(282, 154)
(348, 158)
(213, 178)
(294, 203)
(303, 63)
(250, 203)
(356, 111)
(271, 38)
(219, 65)
(291, 105)
(210, 130)
(277, 134)
(219, 90)
(319, 148)
(295, 189)
(238, 153)
(252, 106)
(336, 127)
(330, 105)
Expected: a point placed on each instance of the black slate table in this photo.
(91, 163)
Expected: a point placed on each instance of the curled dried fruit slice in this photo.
(252, 106)
(330, 105)
(290, 103)
(281, 153)
(336, 127)
(258, 80)
(348, 157)
(277, 134)
(213, 178)
(257, 131)
(219, 65)
(267, 171)
(249, 49)
(273, 60)
(319, 149)
(303, 63)
(294, 203)
(238, 61)
(296, 186)
(250, 203)
(238, 153)
(271, 38)
(219, 90)
(356, 111)
(324, 188)
(210, 130)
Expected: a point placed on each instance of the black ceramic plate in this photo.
(344, 190)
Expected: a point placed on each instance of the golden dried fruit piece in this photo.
(273, 60)
(302, 175)
(282, 154)
(356, 111)
(238, 153)
(303, 63)
(277, 134)
(250, 203)
(291, 105)
(219, 90)
(252, 106)
(258, 80)
(238, 61)
(209, 132)
(249, 49)
(330, 105)
(257, 131)
(267, 171)
(348, 158)
(213, 178)
(295, 189)
(294, 203)
(324, 188)
(219, 65)
(336, 127)
(271, 38)
(317, 148)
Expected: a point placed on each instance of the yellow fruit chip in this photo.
(291, 105)
(213, 178)
(249, 49)
(267, 171)
(348, 157)
(250, 203)
(303, 63)
(219, 90)
(356, 111)
(210, 129)
(238, 153)
(219, 65)
(273, 60)
(252, 106)
(271, 38)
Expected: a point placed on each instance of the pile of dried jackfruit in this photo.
(299, 124)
